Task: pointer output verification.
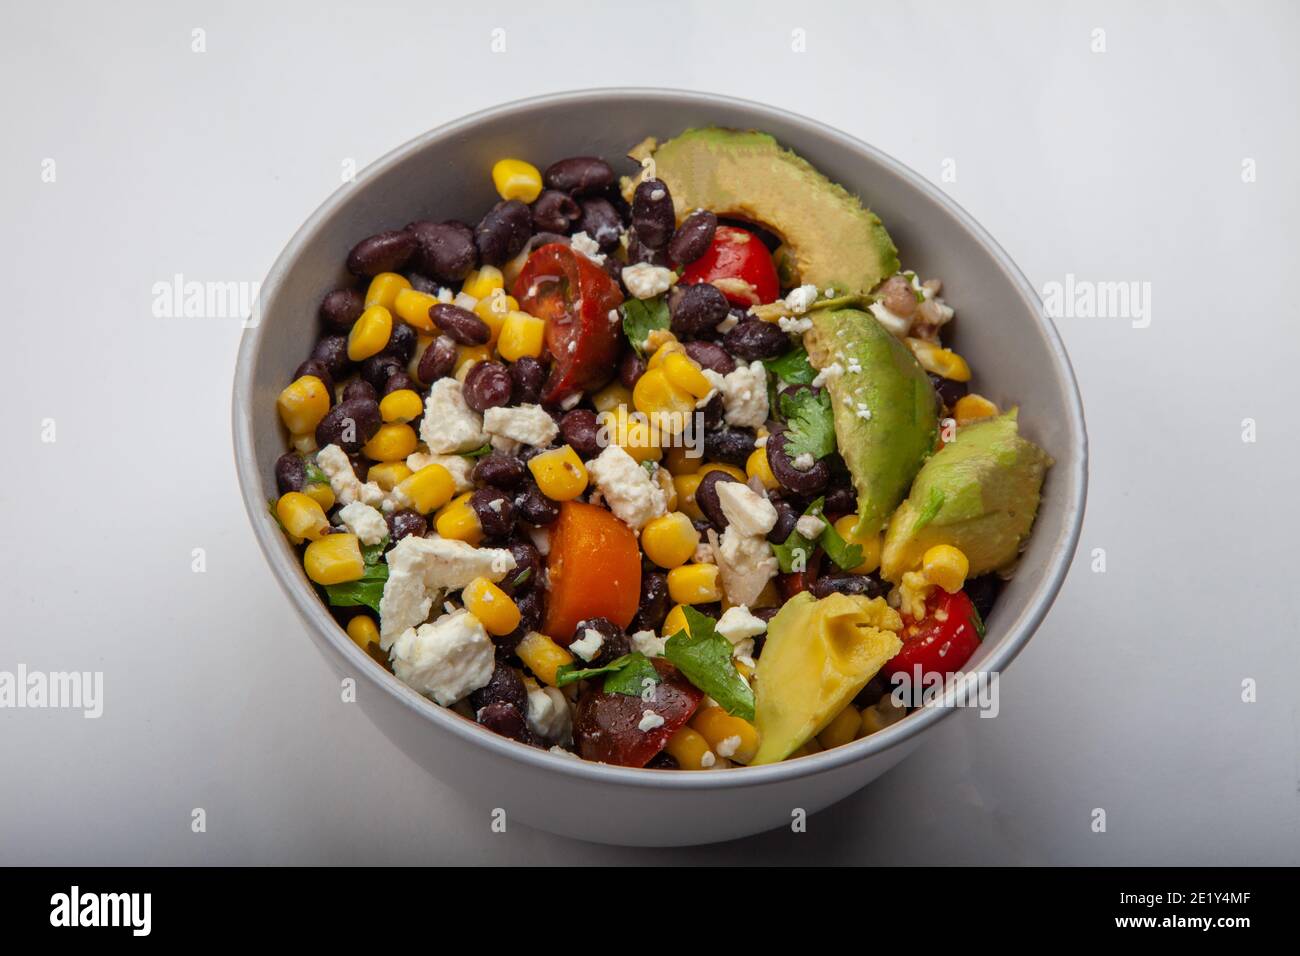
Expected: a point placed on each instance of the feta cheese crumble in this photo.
(824, 376)
(649, 643)
(526, 424)
(798, 300)
(744, 394)
(449, 424)
(737, 624)
(589, 247)
(745, 564)
(645, 281)
(794, 326)
(633, 496)
(345, 484)
(364, 521)
(804, 462)
(649, 721)
(445, 660)
(745, 510)
(548, 713)
(810, 526)
(589, 645)
(420, 569)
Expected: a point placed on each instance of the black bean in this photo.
(613, 268)
(378, 368)
(528, 374)
(504, 686)
(653, 606)
(713, 410)
(406, 522)
(698, 309)
(706, 497)
(506, 644)
(652, 213)
(398, 381)
(349, 425)
(290, 472)
(983, 592)
(332, 350)
(663, 760)
(422, 283)
(638, 251)
(630, 369)
(693, 238)
(340, 308)
(382, 252)
(401, 342)
(614, 645)
(948, 390)
(444, 250)
(500, 471)
(495, 510)
(801, 482)
(360, 388)
(527, 572)
(600, 220)
(554, 211)
(506, 720)
(547, 238)
(532, 605)
(710, 355)
(845, 582)
(579, 429)
(754, 339)
(731, 446)
(840, 500)
(461, 325)
(317, 368)
(579, 175)
(487, 385)
(786, 518)
(501, 234)
(438, 360)
(534, 507)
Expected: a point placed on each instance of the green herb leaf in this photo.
(793, 367)
(852, 301)
(643, 316)
(793, 554)
(846, 556)
(314, 474)
(371, 553)
(366, 591)
(477, 452)
(704, 656)
(630, 680)
(650, 467)
(522, 577)
(977, 621)
(810, 421)
(568, 674)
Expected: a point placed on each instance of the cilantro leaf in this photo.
(365, 591)
(371, 553)
(630, 680)
(810, 421)
(847, 556)
(568, 674)
(477, 452)
(314, 474)
(643, 316)
(977, 621)
(793, 367)
(704, 657)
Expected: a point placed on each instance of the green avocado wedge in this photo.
(979, 493)
(835, 241)
(886, 413)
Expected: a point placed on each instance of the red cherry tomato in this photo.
(739, 265)
(575, 297)
(942, 641)
(606, 727)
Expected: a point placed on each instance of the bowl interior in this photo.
(1012, 348)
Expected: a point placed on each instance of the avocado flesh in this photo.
(885, 451)
(818, 656)
(979, 493)
(836, 242)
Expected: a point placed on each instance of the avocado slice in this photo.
(835, 242)
(885, 409)
(979, 493)
(818, 656)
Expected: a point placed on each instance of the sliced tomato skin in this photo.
(937, 646)
(737, 256)
(606, 726)
(575, 297)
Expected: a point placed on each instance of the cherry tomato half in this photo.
(739, 264)
(942, 641)
(606, 727)
(575, 297)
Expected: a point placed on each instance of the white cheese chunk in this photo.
(445, 660)
(649, 643)
(744, 395)
(589, 645)
(747, 511)
(527, 425)
(810, 526)
(449, 424)
(420, 569)
(345, 484)
(633, 496)
(798, 300)
(645, 281)
(548, 713)
(649, 721)
(589, 247)
(364, 521)
(745, 565)
(737, 624)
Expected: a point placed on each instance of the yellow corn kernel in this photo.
(670, 540)
(691, 751)
(633, 434)
(731, 470)
(516, 179)
(946, 567)
(521, 335)
(302, 516)
(674, 622)
(694, 584)
(388, 474)
(973, 407)
(560, 474)
(542, 656)
(412, 307)
(612, 396)
(756, 466)
(493, 311)
(383, 289)
(303, 403)
(686, 374)
(401, 406)
(680, 460)
(427, 489)
(669, 347)
(728, 736)
(482, 282)
(942, 362)
(457, 520)
(304, 444)
(363, 631)
(870, 545)
(655, 395)
(467, 356)
(370, 333)
(686, 486)
(393, 442)
(842, 729)
(334, 559)
(881, 715)
(495, 609)
(321, 493)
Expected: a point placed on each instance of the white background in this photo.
(1114, 166)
